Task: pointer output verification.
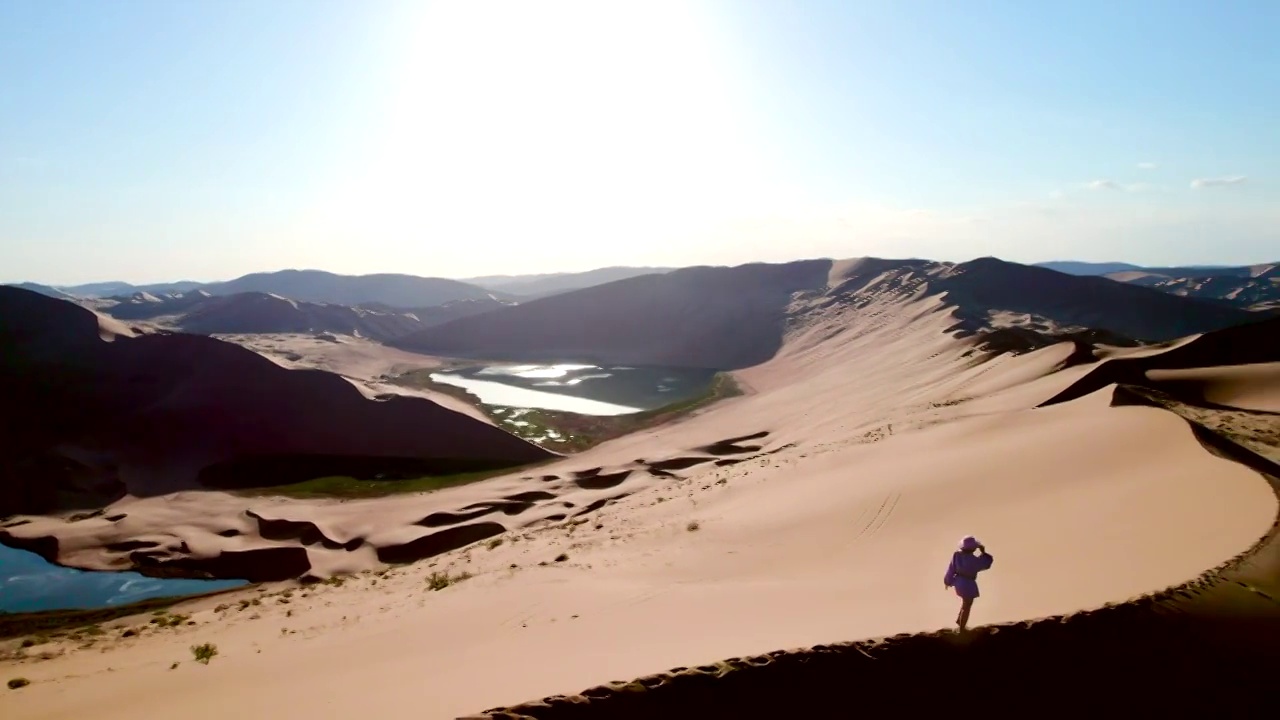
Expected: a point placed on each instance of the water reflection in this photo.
(579, 388)
(28, 583)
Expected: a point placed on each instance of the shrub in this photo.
(204, 653)
(441, 580)
(693, 526)
(16, 683)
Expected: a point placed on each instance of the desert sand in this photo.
(819, 507)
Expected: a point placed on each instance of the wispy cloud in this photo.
(1118, 186)
(1214, 182)
(1147, 166)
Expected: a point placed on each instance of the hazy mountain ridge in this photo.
(401, 291)
(255, 312)
(530, 286)
(734, 317)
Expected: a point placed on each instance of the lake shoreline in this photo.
(576, 432)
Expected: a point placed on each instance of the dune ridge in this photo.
(1208, 644)
(730, 318)
(819, 505)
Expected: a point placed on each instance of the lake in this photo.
(577, 388)
(28, 583)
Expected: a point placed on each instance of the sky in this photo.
(151, 141)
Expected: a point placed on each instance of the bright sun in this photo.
(562, 124)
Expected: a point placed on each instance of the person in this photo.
(962, 575)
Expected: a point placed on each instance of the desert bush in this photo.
(204, 653)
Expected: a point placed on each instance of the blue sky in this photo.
(149, 141)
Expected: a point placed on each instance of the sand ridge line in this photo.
(1173, 649)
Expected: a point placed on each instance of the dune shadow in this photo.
(679, 463)
(602, 482)
(439, 542)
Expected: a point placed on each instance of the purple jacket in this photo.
(962, 572)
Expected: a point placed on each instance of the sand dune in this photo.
(820, 506)
(1252, 287)
(145, 415)
(732, 318)
(250, 312)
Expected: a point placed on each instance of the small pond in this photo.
(577, 388)
(29, 583)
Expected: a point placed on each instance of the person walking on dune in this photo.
(962, 574)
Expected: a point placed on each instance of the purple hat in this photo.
(969, 543)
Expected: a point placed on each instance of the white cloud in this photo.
(1147, 166)
(1104, 185)
(1212, 182)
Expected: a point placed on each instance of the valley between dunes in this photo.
(820, 506)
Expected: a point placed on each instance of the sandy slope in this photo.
(363, 362)
(863, 451)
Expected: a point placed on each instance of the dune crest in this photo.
(818, 507)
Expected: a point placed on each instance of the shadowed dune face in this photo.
(152, 411)
(712, 317)
(1247, 344)
(1091, 303)
(733, 318)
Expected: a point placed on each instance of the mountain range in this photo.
(735, 317)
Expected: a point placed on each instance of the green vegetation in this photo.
(41, 624)
(442, 580)
(350, 487)
(204, 653)
(571, 432)
(164, 621)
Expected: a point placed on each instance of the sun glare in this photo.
(559, 124)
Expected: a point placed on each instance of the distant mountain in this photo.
(45, 290)
(252, 312)
(1252, 287)
(735, 317)
(530, 286)
(316, 286)
(108, 289)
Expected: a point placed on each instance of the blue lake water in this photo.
(28, 584)
(577, 388)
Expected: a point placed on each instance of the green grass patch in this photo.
(339, 486)
(565, 432)
(44, 623)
